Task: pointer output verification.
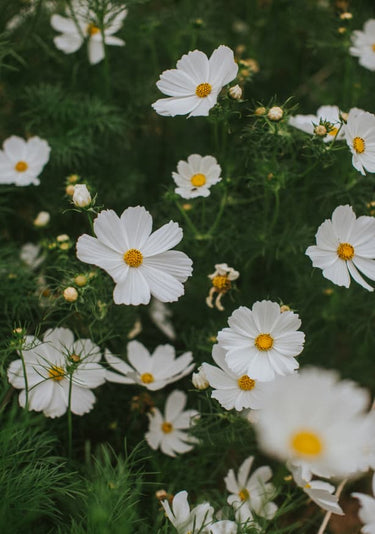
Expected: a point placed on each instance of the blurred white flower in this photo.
(253, 492)
(367, 510)
(188, 521)
(30, 254)
(330, 114)
(153, 371)
(193, 87)
(42, 219)
(221, 279)
(262, 342)
(160, 315)
(21, 162)
(360, 137)
(314, 421)
(232, 390)
(82, 24)
(322, 493)
(52, 367)
(364, 45)
(223, 527)
(196, 175)
(345, 246)
(81, 196)
(28, 10)
(140, 262)
(166, 432)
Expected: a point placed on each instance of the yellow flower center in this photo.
(198, 180)
(203, 89)
(373, 47)
(264, 342)
(246, 383)
(333, 132)
(56, 373)
(306, 443)
(359, 145)
(307, 486)
(345, 251)
(133, 257)
(21, 166)
(221, 283)
(75, 358)
(147, 378)
(167, 427)
(244, 494)
(92, 29)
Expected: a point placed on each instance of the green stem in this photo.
(26, 381)
(188, 221)
(276, 210)
(70, 426)
(219, 214)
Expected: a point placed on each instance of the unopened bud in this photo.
(235, 92)
(80, 280)
(62, 237)
(275, 113)
(199, 379)
(70, 294)
(81, 196)
(346, 16)
(341, 29)
(284, 308)
(260, 111)
(42, 219)
(69, 190)
(73, 178)
(320, 130)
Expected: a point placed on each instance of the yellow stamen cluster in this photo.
(373, 47)
(221, 283)
(56, 373)
(75, 358)
(306, 443)
(147, 378)
(359, 145)
(246, 383)
(92, 29)
(244, 494)
(198, 180)
(133, 257)
(203, 89)
(345, 251)
(264, 342)
(333, 132)
(21, 166)
(167, 427)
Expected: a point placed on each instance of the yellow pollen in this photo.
(307, 486)
(244, 494)
(306, 443)
(167, 427)
(345, 251)
(75, 358)
(221, 283)
(264, 342)
(246, 383)
(147, 378)
(198, 180)
(133, 257)
(333, 132)
(373, 47)
(92, 29)
(56, 373)
(203, 89)
(21, 166)
(359, 145)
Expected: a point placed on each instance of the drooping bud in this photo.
(199, 379)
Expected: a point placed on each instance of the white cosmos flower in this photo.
(152, 371)
(188, 521)
(140, 262)
(345, 246)
(367, 510)
(262, 342)
(48, 366)
(253, 492)
(83, 24)
(364, 45)
(360, 137)
(322, 493)
(22, 161)
(232, 390)
(314, 421)
(166, 432)
(196, 175)
(161, 316)
(330, 114)
(193, 87)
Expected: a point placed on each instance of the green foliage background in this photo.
(278, 186)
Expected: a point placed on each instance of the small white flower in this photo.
(196, 175)
(360, 137)
(223, 527)
(193, 87)
(367, 510)
(262, 342)
(166, 432)
(253, 491)
(330, 114)
(221, 279)
(322, 493)
(151, 371)
(21, 162)
(364, 45)
(314, 421)
(140, 262)
(42, 219)
(199, 379)
(51, 367)
(30, 254)
(160, 315)
(188, 521)
(345, 246)
(81, 196)
(232, 390)
(83, 24)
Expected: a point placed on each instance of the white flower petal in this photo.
(223, 68)
(134, 289)
(162, 285)
(174, 406)
(109, 229)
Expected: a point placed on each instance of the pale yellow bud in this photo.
(284, 308)
(235, 92)
(69, 190)
(70, 294)
(73, 178)
(62, 237)
(346, 16)
(80, 280)
(42, 219)
(275, 113)
(81, 196)
(320, 130)
(260, 111)
(64, 246)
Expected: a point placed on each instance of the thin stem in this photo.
(327, 517)
(219, 215)
(188, 221)
(26, 381)
(276, 209)
(70, 426)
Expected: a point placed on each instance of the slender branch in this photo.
(327, 517)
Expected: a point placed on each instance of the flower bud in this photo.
(320, 130)
(200, 380)
(275, 113)
(260, 111)
(70, 294)
(73, 179)
(80, 280)
(81, 196)
(69, 190)
(62, 237)
(235, 92)
(42, 219)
